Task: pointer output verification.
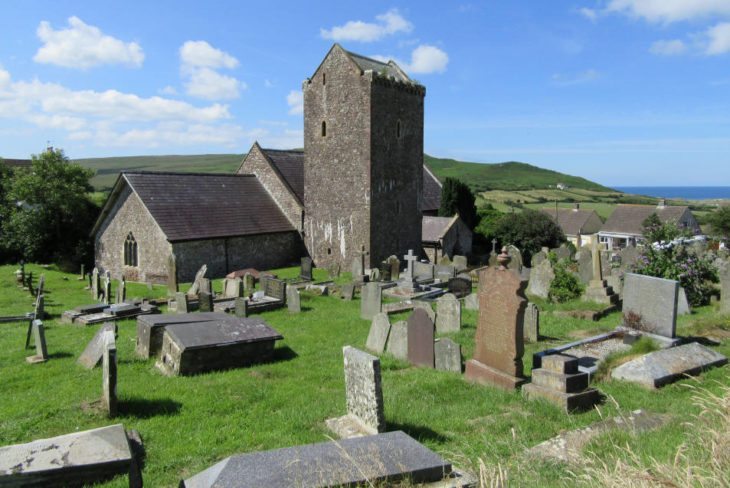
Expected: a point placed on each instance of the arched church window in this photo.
(130, 251)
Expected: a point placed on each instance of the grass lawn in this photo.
(189, 423)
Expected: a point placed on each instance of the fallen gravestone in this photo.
(94, 350)
(39, 337)
(659, 368)
(293, 300)
(448, 314)
(531, 327)
(650, 304)
(559, 382)
(397, 344)
(364, 396)
(371, 301)
(378, 336)
(420, 339)
(447, 355)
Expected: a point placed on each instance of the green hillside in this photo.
(505, 176)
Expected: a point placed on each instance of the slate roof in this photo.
(431, 191)
(389, 69)
(290, 165)
(572, 221)
(191, 206)
(434, 228)
(627, 219)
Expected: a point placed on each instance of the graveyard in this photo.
(190, 423)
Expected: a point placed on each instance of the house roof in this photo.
(431, 191)
(191, 206)
(571, 220)
(628, 219)
(434, 229)
(290, 164)
(17, 163)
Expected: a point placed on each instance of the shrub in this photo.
(529, 231)
(565, 286)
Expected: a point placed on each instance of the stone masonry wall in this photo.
(257, 164)
(130, 215)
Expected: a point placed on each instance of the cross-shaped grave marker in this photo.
(411, 258)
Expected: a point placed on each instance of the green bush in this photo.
(565, 286)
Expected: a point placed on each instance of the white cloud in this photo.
(667, 11)
(84, 46)
(168, 90)
(210, 85)
(389, 23)
(295, 100)
(718, 39)
(427, 59)
(671, 47)
(578, 79)
(588, 13)
(200, 54)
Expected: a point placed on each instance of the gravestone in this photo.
(563, 252)
(39, 312)
(426, 306)
(410, 273)
(559, 382)
(121, 291)
(195, 288)
(423, 271)
(539, 257)
(232, 287)
(107, 288)
(394, 264)
(249, 283)
(273, 288)
(371, 301)
(305, 271)
(205, 302)
(471, 302)
(650, 304)
(724, 273)
(172, 284)
(499, 340)
(444, 260)
(241, 307)
(347, 292)
(448, 314)
(94, 350)
(541, 277)
(460, 286)
(205, 286)
(659, 368)
(460, 263)
(515, 263)
(29, 284)
(398, 340)
(585, 265)
(447, 355)
(95, 284)
(598, 290)
(364, 396)
(109, 376)
(444, 272)
(333, 270)
(39, 337)
(293, 300)
(384, 270)
(532, 323)
(374, 274)
(420, 339)
(629, 256)
(378, 335)
(356, 268)
(181, 302)
(682, 303)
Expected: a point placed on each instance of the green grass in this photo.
(189, 423)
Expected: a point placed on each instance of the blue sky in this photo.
(624, 92)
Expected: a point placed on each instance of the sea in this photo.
(682, 192)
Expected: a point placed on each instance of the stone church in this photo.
(359, 186)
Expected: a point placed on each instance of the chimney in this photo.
(577, 207)
(662, 203)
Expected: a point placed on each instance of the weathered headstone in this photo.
(107, 288)
(444, 260)
(394, 263)
(29, 284)
(598, 290)
(241, 307)
(385, 271)
(471, 302)
(356, 268)
(427, 307)
(539, 257)
(448, 355)
(410, 258)
(195, 288)
(499, 340)
(444, 272)
(541, 277)
(460, 263)
(374, 274)
(347, 292)
(398, 340)
(122, 291)
(423, 271)
(109, 376)
(305, 271)
(378, 335)
(39, 312)
(563, 252)
(205, 302)
(94, 350)
(172, 284)
(448, 314)
(532, 323)
(420, 339)
(39, 337)
(181, 302)
(293, 300)
(249, 283)
(95, 284)
(333, 270)
(682, 303)
(659, 368)
(460, 286)
(650, 304)
(585, 265)
(371, 301)
(724, 273)
(515, 262)
(364, 394)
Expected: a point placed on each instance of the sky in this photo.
(623, 92)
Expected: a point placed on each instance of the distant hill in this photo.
(480, 177)
(506, 176)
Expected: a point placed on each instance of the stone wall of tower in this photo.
(336, 164)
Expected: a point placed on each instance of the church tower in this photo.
(363, 160)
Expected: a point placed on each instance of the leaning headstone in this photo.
(205, 302)
(471, 302)
(94, 350)
(109, 377)
(195, 288)
(241, 307)
(659, 368)
(39, 336)
(347, 292)
(371, 301)
(448, 355)
(532, 323)
(378, 335)
(172, 285)
(39, 312)
(420, 339)
(499, 342)
(448, 314)
(650, 304)
(460, 263)
(293, 300)
(305, 271)
(364, 394)
(682, 303)
(398, 340)
(181, 302)
(541, 277)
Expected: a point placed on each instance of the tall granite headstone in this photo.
(109, 377)
(172, 284)
(532, 323)
(724, 273)
(420, 339)
(39, 337)
(371, 301)
(499, 341)
(95, 283)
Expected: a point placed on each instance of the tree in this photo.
(529, 230)
(720, 222)
(457, 197)
(49, 214)
(655, 230)
(488, 219)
